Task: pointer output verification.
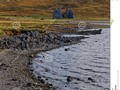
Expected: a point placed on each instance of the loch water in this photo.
(87, 63)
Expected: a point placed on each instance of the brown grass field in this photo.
(37, 14)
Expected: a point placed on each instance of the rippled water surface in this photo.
(88, 63)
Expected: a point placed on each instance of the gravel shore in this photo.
(15, 57)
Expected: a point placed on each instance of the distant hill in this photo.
(44, 8)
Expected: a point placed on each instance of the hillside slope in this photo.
(44, 8)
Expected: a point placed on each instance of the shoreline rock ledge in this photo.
(34, 39)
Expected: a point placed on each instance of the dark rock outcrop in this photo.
(34, 39)
(57, 14)
(68, 14)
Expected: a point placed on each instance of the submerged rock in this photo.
(66, 49)
(90, 79)
(69, 78)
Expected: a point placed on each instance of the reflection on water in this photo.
(100, 23)
(88, 63)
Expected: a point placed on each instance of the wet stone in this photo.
(39, 77)
(78, 79)
(42, 81)
(90, 79)
(41, 61)
(31, 70)
(69, 78)
(66, 49)
(29, 63)
(13, 79)
(3, 66)
(29, 84)
(8, 84)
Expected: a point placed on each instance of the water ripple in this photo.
(88, 63)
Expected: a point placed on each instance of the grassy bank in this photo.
(15, 23)
(44, 8)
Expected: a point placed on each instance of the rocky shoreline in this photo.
(34, 39)
(16, 53)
